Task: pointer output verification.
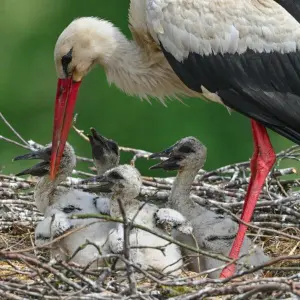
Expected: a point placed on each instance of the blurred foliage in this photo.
(29, 30)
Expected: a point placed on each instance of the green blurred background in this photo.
(29, 30)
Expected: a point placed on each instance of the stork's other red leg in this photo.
(262, 162)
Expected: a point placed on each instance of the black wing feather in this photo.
(262, 86)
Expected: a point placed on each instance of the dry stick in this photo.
(244, 164)
(78, 131)
(84, 159)
(75, 172)
(17, 269)
(91, 283)
(235, 289)
(42, 277)
(48, 283)
(201, 281)
(160, 282)
(262, 266)
(179, 282)
(257, 227)
(138, 152)
(12, 129)
(268, 203)
(272, 262)
(24, 289)
(39, 264)
(9, 296)
(28, 292)
(13, 142)
(126, 247)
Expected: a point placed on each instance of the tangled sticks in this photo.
(26, 273)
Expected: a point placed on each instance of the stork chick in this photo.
(213, 232)
(106, 155)
(46, 192)
(125, 183)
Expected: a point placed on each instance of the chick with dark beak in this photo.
(171, 163)
(125, 182)
(104, 183)
(58, 204)
(104, 151)
(213, 232)
(40, 169)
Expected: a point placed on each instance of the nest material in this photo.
(26, 273)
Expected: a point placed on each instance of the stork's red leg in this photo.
(262, 162)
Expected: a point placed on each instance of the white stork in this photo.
(243, 54)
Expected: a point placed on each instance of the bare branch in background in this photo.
(12, 129)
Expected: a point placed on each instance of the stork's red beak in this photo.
(66, 95)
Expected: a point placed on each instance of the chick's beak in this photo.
(170, 164)
(105, 183)
(165, 153)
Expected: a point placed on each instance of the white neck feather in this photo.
(142, 72)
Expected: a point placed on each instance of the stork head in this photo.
(68, 162)
(187, 153)
(124, 181)
(105, 152)
(84, 43)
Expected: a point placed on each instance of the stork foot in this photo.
(262, 162)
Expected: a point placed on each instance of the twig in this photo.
(163, 236)
(126, 247)
(12, 129)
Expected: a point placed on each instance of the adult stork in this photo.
(243, 54)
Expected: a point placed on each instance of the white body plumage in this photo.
(147, 257)
(57, 221)
(147, 249)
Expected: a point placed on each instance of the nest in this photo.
(27, 273)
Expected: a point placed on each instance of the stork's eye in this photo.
(116, 175)
(48, 153)
(185, 149)
(65, 61)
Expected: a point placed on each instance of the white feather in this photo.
(221, 26)
(126, 190)
(173, 218)
(57, 222)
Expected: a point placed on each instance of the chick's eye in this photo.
(114, 147)
(185, 149)
(116, 175)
